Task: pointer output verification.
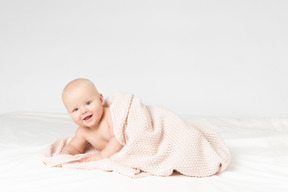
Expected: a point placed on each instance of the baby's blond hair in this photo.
(77, 82)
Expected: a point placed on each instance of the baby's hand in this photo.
(93, 157)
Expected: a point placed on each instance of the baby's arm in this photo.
(76, 145)
(112, 147)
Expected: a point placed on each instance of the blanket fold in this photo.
(156, 141)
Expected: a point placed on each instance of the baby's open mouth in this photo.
(88, 117)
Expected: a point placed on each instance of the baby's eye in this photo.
(88, 103)
(76, 109)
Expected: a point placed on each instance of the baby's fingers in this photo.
(86, 158)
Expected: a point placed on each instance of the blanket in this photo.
(156, 141)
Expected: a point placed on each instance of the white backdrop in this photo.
(214, 58)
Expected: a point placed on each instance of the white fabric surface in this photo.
(259, 150)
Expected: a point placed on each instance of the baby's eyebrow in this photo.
(89, 99)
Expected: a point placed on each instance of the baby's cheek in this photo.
(76, 119)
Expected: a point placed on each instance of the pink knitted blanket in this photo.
(156, 141)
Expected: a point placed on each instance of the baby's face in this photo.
(85, 105)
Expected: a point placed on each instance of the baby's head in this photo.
(83, 102)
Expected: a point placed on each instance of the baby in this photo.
(86, 106)
(133, 138)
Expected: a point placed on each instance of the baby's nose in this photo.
(84, 110)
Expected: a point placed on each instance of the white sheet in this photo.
(259, 158)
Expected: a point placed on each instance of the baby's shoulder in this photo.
(81, 131)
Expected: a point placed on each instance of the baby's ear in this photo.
(102, 99)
